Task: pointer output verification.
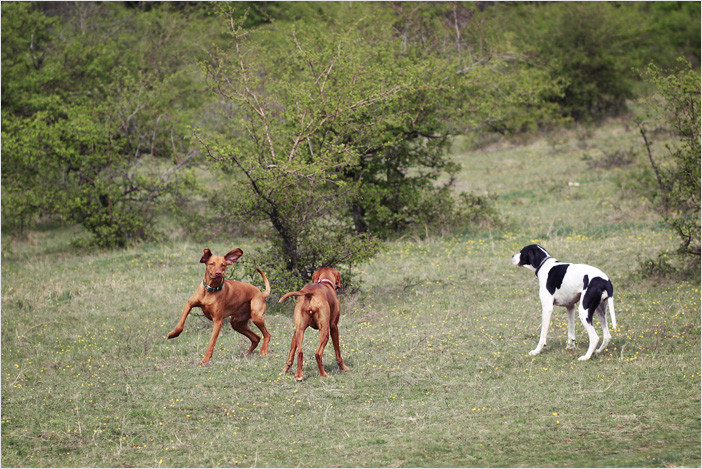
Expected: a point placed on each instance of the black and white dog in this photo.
(563, 284)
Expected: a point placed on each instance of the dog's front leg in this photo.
(546, 311)
(190, 304)
(571, 326)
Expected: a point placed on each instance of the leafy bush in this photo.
(591, 46)
(672, 31)
(677, 175)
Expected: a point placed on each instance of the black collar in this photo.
(536, 273)
(213, 289)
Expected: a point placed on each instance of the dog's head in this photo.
(215, 266)
(327, 273)
(530, 257)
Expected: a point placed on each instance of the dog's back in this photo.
(314, 298)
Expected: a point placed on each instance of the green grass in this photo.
(437, 340)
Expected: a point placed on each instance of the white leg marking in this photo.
(546, 311)
(571, 327)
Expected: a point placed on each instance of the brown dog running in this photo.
(220, 298)
(318, 307)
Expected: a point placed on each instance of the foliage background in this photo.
(124, 118)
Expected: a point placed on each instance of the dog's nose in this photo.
(515, 259)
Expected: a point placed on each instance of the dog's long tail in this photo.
(608, 293)
(306, 305)
(288, 295)
(610, 302)
(268, 285)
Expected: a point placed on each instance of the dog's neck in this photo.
(536, 272)
(213, 289)
(326, 280)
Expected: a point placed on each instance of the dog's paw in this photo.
(173, 334)
(299, 380)
(583, 358)
(535, 352)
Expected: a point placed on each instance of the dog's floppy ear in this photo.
(232, 256)
(337, 277)
(206, 254)
(525, 257)
(533, 255)
(315, 276)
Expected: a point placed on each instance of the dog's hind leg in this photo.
(606, 336)
(571, 326)
(586, 319)
(291, 356)
(258, 309)
(243, 328)
(299, 337)
(319, 354)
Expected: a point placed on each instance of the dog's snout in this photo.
(515, 259)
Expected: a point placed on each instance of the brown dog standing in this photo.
(317, 307)
(220, 298)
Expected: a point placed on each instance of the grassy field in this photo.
(437, 340)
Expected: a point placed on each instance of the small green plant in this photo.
(613, 159)
(658, 267)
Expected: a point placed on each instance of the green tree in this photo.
(334, 128)
(463, 81)
(592, 47)
(25, 38)
(94, 102)
(677, 190)
(673, 31)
